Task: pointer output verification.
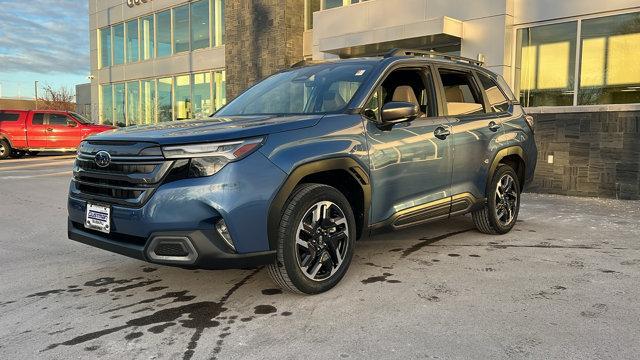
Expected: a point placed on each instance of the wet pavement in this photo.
(563, 284)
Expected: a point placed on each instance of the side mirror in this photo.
(71, 123)
(399, 111)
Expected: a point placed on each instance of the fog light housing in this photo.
(223, 231)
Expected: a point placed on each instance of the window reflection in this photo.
(200, 24)
(119, 105)
(165, 92)
(148, 102)
(545, 64)
(133, 103)
(104, 40)
(147, 38)
(106, 105)
(163, 33)
(182, 106)
(202, 95)
(132, 41)
(181, 29)
(610, 70)
(118, 44)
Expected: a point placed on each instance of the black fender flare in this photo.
(501, 154)
(348, 164)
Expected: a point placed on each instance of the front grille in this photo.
(130, 178)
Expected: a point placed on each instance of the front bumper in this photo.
(189, 209)
(209, 249)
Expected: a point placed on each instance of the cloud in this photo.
(44, 36)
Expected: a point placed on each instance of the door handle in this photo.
(494, 126)
(49, 129)
(441, 132)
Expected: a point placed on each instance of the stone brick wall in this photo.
(594, 154)
(262, 37)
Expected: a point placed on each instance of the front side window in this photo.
(461, 93)
(497, 100)
(181, 29)
(310, 90)
(57, 120)
(545, 64)
(610, 70)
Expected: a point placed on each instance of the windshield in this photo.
(310, 90)
(81, 119)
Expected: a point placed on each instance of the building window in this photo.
(181, 29)
(217, 14)
(310, 6)
(104, 46)
(106, 105)
(330, 4)
(219, 89)
(610, 70)
(201, 93)
(147, 38)
(546, 64)
(200, 27)
(133, 103)
(165, 99)
(163, 33)
(182, 105)
(118, 44)
(148, 102)
(132, 41)
(119, 105)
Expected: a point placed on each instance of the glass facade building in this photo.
(167, 34)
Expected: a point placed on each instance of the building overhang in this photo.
(440, 32)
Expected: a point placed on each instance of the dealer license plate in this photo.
(98, 218)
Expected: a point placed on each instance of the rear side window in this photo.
(38, 119)
(5, 116)
(461, 94)
(497, 100)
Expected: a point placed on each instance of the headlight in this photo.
(208, 159)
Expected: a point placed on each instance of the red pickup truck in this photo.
(43, 130)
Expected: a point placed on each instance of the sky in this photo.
(45, 41)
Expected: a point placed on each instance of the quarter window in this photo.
(9, 116)
(496, 98)
(461, 93)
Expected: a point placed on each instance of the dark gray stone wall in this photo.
(262, 37)
(595, 154)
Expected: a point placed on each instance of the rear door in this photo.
(475, 128)
(12, 127)
(37, 130)
(63, 132)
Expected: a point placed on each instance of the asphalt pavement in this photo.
(562, 285)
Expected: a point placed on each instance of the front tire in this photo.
(316, 239)
(500, 213)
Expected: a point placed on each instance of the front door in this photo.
(62, 132)
(410, 165)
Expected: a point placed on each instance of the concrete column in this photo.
(262, 37)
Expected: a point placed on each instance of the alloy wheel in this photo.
(3, 150)
(322, 240)
(506, 200)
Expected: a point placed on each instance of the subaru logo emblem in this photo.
(103, 159)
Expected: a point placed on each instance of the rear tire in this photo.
(316, 239)
(5, 149)
(500, 213)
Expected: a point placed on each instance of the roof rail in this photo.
(430, 53)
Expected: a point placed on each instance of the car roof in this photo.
(40, 111)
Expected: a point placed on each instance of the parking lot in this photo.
(564, 284)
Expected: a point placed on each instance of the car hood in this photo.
(210, 129)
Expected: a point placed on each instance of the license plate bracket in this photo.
(98, 217)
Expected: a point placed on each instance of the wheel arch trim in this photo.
(347, 164)
(501, 154)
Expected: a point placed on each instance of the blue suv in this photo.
(298, 167)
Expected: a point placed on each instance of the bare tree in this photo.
(57, 99)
